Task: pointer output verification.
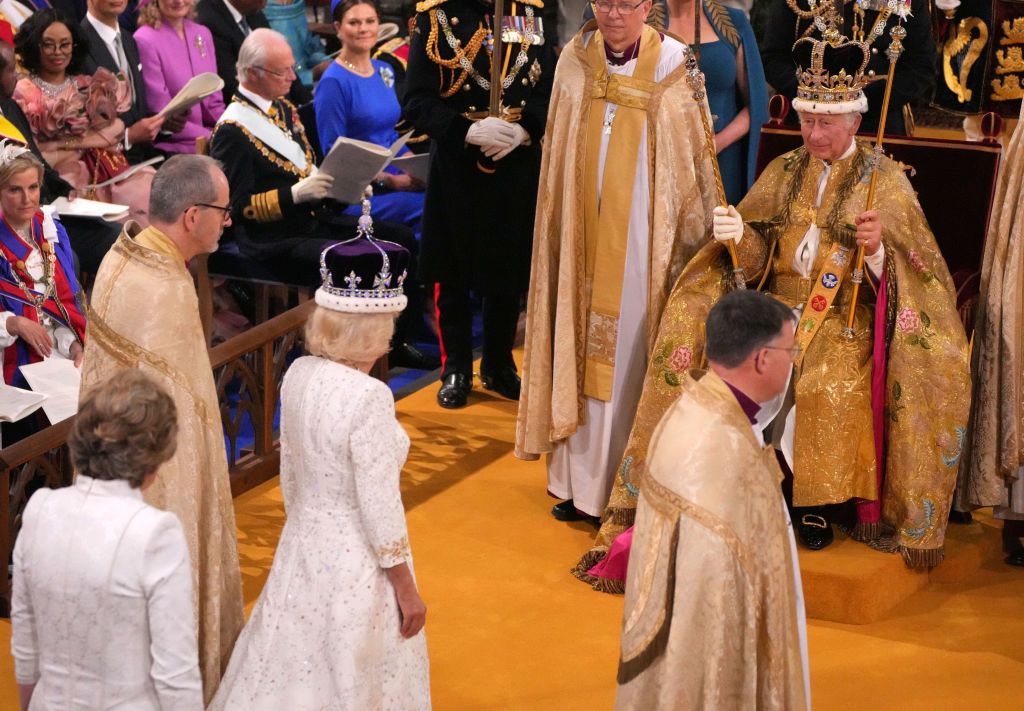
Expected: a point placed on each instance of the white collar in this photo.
(261, 103)
(235, 14)
(846, 154)
(106, 487)
(107, 33)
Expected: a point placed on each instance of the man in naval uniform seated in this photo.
(277, 195)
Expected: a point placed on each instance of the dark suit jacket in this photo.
(53, 185)
(99, 56)
(227, 41)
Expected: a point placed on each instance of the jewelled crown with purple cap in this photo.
(363, 275)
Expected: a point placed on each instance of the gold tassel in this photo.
(922, 557)
(865, 532)
(624, 517)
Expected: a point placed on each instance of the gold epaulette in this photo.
(390, 46)
(263, 207)
(425, 5)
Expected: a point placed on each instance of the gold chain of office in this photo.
(464, 57)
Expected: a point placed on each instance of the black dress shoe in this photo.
(1016, 557)
(814, 531)
(406, 355)
(503, 381)
(566, 511)
(454, 391)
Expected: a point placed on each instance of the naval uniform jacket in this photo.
(477, 228)
(261, 183)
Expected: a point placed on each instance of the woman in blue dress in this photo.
(356, 98)
(736, 87)
(737, 91)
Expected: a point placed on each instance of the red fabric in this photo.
(871, 511)
(437, 318)
(6, 32)
(615, 565)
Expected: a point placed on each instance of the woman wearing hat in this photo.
(339, 622)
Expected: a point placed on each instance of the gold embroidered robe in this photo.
(144, 314)
(682, 196)
(991, 468)
(926, 383)
(710, 619)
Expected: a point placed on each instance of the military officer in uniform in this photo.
(482, 187)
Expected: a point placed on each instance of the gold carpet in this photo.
(509, 628)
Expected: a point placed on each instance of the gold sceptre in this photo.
(897, 33)
(695, 78)
(485, 164)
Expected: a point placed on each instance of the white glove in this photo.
(313, 188)
(521, 138)
(727, 225)
(491, 134)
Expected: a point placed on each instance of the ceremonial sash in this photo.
(606, 223)
(823, 293)
(62, 306)
(262, 127)
(9, 130)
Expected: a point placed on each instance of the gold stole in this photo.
(607, 224)
(823, 293)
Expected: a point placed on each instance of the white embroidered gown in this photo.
(324, 633)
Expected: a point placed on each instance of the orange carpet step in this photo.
(854, 584)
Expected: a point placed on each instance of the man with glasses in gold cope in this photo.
(625, 200)
(145, 316)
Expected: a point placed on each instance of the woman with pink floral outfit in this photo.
(74, 117)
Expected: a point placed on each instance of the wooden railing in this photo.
(247, 369)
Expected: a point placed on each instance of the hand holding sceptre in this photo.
(897, 33)
(695, 78)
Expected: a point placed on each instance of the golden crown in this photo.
(833, 79)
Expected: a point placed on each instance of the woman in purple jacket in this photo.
(173, 49)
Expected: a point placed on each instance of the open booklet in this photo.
(59, 380)
(354, 164)
(198, 88)
(81, 207)
(126, 174)
(16, 403)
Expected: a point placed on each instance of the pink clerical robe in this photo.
(168, 62)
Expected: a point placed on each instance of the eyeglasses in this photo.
(605, 8)
(794, 352)
(225, 210)
(54, 48)
(288, 73)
